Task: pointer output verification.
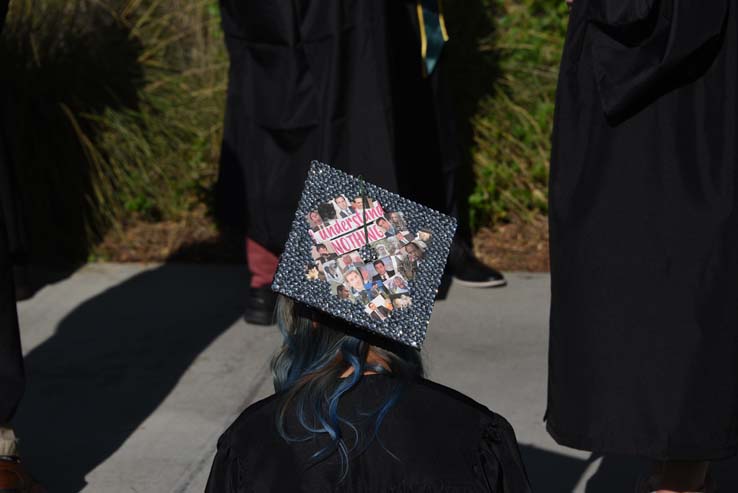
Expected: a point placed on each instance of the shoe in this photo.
(15, 479)
(260, 305)
(468, 270)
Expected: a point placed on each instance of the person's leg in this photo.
(426, 143)
(8, 441)
(262, 264)
(13, 476)
(458, 178)
(12, 378)
(260, 304)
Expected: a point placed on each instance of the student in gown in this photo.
(344, 83)
(644, 236)
(14, 478)
(386, 428)
(352, 410)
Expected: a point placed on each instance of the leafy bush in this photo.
(121, 103)
(512, 125)
(117, 107)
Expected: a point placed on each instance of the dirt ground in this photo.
(507, 247)
(515, 246)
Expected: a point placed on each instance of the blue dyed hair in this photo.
(317, 350)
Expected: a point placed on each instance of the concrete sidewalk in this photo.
(134, 371)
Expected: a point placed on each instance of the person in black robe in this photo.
(13, 475)
(344, 83)
(431, 438)
(644, 235)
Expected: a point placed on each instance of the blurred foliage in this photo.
(512, 125)
(115, 109)
(116, 113)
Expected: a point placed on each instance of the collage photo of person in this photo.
(338, 232)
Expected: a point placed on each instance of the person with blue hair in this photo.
(353, 412)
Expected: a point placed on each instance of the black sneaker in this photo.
(260, 305)
(468, 270)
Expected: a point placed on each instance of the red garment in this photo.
(261, 262)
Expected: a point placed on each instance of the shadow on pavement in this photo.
(726, 475)
(616, 474)
(113, 360)
(550, 472)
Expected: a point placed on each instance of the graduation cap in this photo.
(365, 255)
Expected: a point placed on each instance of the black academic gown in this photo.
(12, 381)
(334, 80)
(644, 231)
(433, 440)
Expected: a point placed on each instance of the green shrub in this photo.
(117, 107)
(121, 103)
(512, 125)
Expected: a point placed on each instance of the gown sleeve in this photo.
(641, 49)
(226, 472)
(502, 467)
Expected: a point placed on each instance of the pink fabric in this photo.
(261, 262)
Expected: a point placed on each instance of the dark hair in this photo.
(326, 211)
(379, 262)
(419, 251)
(321, 245)
(317, 350)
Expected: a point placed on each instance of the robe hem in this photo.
(598, 446)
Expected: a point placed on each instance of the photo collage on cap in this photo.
(338, 233)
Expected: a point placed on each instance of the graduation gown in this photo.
(339, 81)
(433, 440)
(12, 379)
(644, 231)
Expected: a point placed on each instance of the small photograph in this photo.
(315, 222)
(313, 273)
(332, 273)
(376, 309)
(376, 288)
(327, 213)
(342, 207)
(404, 237)
(393, 245)
(385, 247)
(398, 220)
(388, 303)
(363, 297)
(383, 224)
(354, 281)
(342, 292)
(382, 269)
(406, 266)
(397, 285)
(415, 250)
(349, 260)
(358, 203)
(400, 301)
(424, 235)
(323, 252)
(365, 276)
(381, 249)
